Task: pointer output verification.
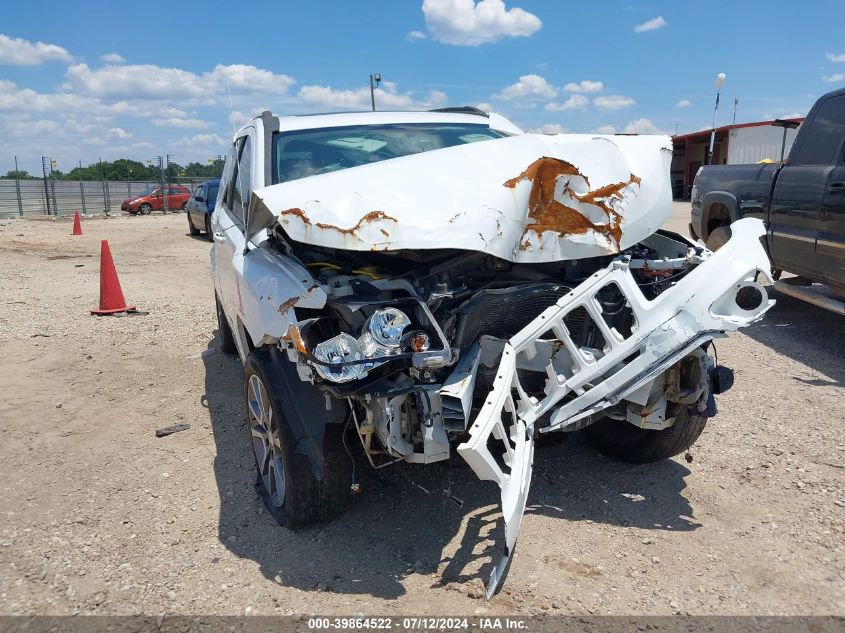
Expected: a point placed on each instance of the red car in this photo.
(153, 199)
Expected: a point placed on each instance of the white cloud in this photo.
(467, 23)
(147, 81)
(605, 129)
(20, 52)
(683, 103)
(414, 36)
(584, 86)
(484, 106)
(249, 79)
(179, 122)
(835, 78)
(118, 132)
(613, 102)
(832, 57)
(113, 58)
(387, 98)
(529, 88)
(549, 128)
(202, 139)
(642, 126)
(242, 118)
(792, 115)
(575, 102)
(651, 25)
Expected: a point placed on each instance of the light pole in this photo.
(374, 82)
(720, 79)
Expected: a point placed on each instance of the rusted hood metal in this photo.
(528, 198)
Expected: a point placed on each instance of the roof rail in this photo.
(463, 110)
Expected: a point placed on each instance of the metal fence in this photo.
(19, 198)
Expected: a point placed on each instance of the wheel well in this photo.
(717, 215)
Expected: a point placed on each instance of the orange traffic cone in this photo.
(77, 225)
(111, 296)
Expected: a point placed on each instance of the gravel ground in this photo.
(100, 516)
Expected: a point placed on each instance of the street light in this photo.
(720, 79)
(374, 82)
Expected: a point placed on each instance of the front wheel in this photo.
(191, 228)
(718, 237)
(629, 443)
(208, 234)
(293, 491)
(145, 209)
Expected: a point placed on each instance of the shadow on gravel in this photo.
(394, 529)
(805, 333)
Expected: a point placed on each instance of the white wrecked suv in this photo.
(433, 282)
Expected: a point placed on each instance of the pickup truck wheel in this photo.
(718, 237)
(227, 339)
(290, 489)
(191, 228)
(628, 443)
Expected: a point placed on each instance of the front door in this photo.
(229, 240)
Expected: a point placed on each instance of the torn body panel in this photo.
(703, 305)
(529, 198)
(470, 297)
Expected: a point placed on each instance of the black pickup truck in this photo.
(802, 201)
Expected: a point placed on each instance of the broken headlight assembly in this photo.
(404, 331)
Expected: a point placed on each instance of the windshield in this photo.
(212, 193)
(147, 192)
(304, 153)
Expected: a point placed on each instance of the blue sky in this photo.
(80, 80)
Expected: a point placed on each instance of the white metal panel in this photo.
(530, 198)
(752, 144)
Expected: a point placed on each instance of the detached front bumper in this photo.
(719, 295)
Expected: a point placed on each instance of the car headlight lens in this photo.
(340, 349)
(382, 336)
(386, 326)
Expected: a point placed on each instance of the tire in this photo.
(191, 228)
(291, 491)
(628, 443)
(145, 209)
(227, 339)
(208, 233)
(718, 237)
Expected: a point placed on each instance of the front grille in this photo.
(504, 312)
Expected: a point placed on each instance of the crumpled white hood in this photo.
(529, 198)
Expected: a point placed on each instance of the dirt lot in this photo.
(100, 516)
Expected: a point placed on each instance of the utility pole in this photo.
(158, 161)
(18, 188)
(736, 103)
(720, 79)
(375, 80)
(168, 158)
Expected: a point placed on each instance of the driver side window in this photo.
(232, 200)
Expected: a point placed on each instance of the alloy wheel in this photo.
(266, 443)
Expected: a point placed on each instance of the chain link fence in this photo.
(20, 198)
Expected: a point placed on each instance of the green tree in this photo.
(20, 174)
